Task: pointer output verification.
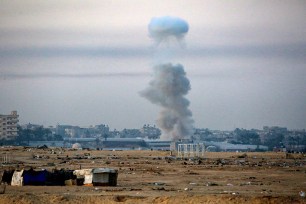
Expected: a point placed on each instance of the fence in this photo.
(6, 159)
(190, 150)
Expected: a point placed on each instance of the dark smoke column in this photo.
(170, 84)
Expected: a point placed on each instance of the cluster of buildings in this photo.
(148, 136)
(103, 131)
(9, 130)
(70, 131)
(269, 138)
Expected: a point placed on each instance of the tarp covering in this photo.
(58, 177)
(82, 172)
(84, 176)
(35, 178)
(88, 179)
(1, 176)
(7, 176)
(98, 176)
(17, 179)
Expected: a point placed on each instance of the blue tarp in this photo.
(37, 178)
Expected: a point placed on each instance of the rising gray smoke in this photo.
(167, 89)
(170, 84)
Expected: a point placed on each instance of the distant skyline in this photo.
(84, 63)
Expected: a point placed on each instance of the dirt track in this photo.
(148, 177)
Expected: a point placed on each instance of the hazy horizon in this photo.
(84, 63)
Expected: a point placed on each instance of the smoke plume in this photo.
(167, 89)
(170, 84)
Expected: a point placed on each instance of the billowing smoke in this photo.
(161, 28)
(167, 89)
(170, 84)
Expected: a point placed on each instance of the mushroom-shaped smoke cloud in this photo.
(161, 28)
(170, 85)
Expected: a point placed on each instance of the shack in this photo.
(104, 177)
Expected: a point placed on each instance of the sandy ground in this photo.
(149, 177)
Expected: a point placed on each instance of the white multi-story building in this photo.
(8, 126)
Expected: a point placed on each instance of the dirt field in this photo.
(154, 177)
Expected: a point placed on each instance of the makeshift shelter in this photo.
(59, 177)
(2, 188)
(55, 178)
(1, 176)
(104, 177)
(7, 176)
(84, 176)
(17, 179)
(34, 178)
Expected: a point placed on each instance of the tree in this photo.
(37, 134)
(247, 136)
(58, 137)
(24, 135)
(274, 140)
(105, 136)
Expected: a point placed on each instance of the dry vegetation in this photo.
(154, 177)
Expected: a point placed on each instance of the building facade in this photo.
(8, 126)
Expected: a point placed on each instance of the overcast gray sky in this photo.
(85, 62)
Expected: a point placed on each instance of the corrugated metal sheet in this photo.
(104, 177)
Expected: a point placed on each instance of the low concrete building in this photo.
(228, 147)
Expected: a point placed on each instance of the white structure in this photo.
(84, 173)
(190, 150)
(6, 159)
(76, 146)
(8, 126)
(17, 179)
